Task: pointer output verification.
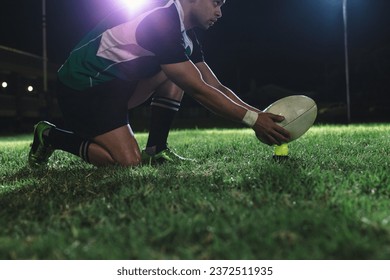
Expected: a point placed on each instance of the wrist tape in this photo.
(250, 118)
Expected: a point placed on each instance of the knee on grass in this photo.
(99, 156)
(123, 161)
(129, 161)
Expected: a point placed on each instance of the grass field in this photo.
(330, 200)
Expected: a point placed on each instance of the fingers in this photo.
(269, 132)
(283, 132)
(272, 138)
(267, 139)
(276, 118)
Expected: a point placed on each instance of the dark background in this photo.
(262, 49)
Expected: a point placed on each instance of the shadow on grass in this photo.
(38, 192)
(263, 213)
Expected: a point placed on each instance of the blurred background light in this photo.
(4, 84)
(30, 88)
(133, 5)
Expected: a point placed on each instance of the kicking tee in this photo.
(131, 47)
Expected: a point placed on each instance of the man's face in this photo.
(206, 12)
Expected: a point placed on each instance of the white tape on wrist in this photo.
(250, 118)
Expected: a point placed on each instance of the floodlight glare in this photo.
(4, 84)
(133, 5)
(30, 88)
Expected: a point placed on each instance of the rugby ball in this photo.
(299, 111)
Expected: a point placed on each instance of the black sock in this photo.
(163, 113)
(69, 142)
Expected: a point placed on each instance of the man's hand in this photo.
(268, 132)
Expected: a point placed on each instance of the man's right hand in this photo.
(268, 131)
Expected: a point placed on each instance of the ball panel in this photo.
(302, 123)
(299, 111)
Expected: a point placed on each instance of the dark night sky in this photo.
(284, 42)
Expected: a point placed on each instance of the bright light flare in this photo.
(30, 88)
(4, 84)
(133, 5)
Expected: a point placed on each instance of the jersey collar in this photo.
(181, 14)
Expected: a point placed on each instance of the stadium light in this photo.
(4, 84)
(345, 21)
(133, 5)
(343, 4)
(30, 88)
(44, 47)
(346, 55)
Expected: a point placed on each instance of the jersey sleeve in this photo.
(160, 33)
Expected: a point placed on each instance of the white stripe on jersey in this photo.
(119, 43)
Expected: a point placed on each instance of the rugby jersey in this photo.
(131, 47)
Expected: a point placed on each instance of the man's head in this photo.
(201, 13)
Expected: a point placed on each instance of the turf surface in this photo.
(330, 200)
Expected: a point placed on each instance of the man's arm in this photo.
(211, 79)
(227, 105)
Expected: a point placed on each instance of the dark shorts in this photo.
(96, 110)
